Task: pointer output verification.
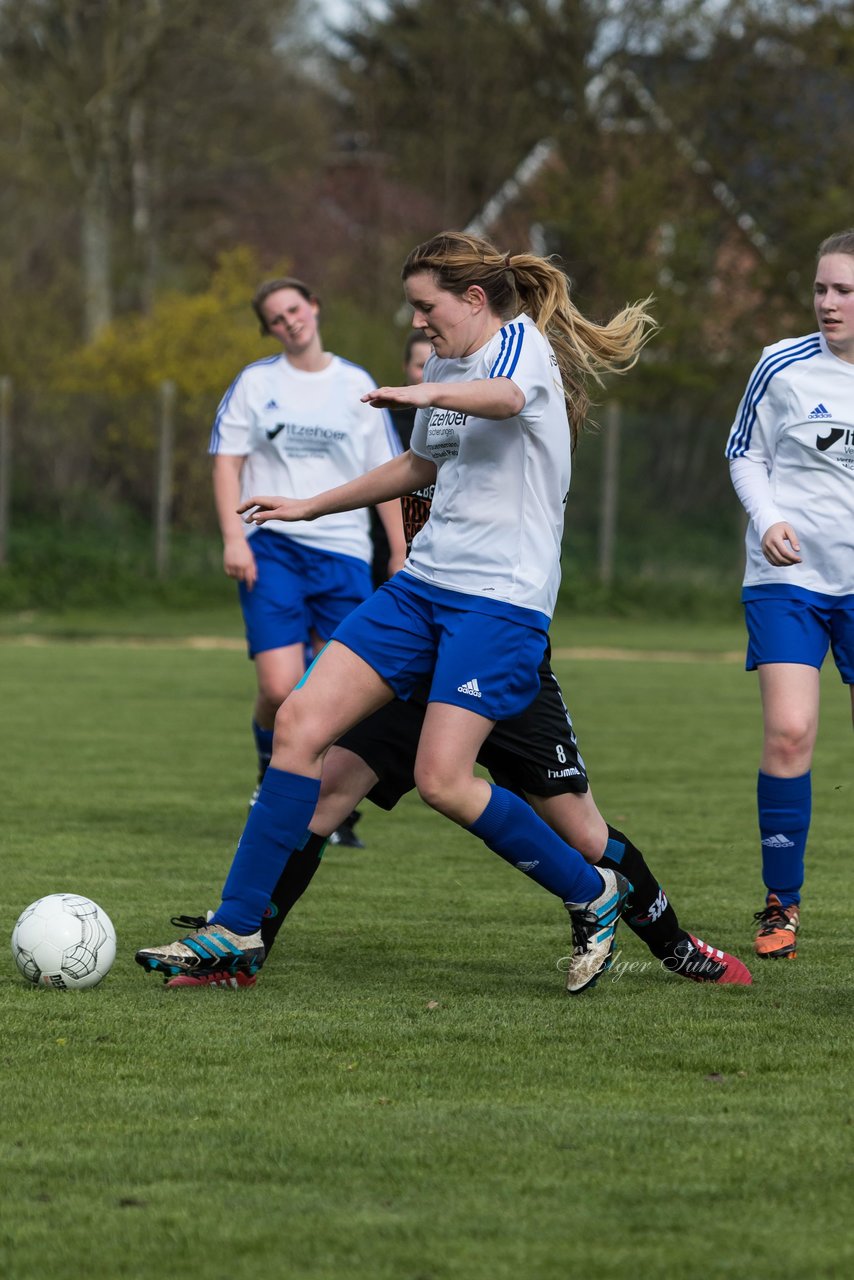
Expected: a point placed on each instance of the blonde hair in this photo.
(526, 282)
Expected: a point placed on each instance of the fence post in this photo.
(5, 465)
(610, 490)
(163, 495)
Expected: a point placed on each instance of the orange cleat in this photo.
(777, 936)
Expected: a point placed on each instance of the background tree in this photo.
(138, 118)
(456, 95)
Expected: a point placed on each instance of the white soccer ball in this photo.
(64, 941)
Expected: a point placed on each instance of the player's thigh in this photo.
(450, 740)
(790, 693)
(387, 744)
(278, 670)
(338, 690)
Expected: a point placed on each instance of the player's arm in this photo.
(237, 558)
(391, 519)
(392, 480)
(777, 537)
(482, 398)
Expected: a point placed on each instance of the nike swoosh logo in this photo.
(824, 442)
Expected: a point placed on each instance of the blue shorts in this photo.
(790, 624)
(298, 590)
(482, 655)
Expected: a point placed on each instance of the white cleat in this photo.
(594, 926)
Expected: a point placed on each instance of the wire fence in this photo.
(650, 498)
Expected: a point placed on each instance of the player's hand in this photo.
(416, 396)
(780, 545)
(239, 562)
(260, 510)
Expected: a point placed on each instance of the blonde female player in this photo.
(501, 399)
(791, 452)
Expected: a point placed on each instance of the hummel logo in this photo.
(656, 910)
(470, 687)
(778, 842)
(820, 412)
(271, 404)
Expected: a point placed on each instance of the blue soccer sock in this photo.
(263, 745)
(785, 806)
(511, 829)
(277, 824)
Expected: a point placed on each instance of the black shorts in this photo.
(535, 753)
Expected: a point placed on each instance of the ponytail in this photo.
(526, 282)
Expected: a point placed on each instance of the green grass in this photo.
(408, 1094)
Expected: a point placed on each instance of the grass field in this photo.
(408, 1094)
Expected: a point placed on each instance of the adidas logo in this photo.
(820, 412)
(271, 404)
(470, 687)
(527, 866)
(778, 842)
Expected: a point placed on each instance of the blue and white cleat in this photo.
(209, 949)
(594, 926)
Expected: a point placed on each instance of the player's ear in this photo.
(476, 297)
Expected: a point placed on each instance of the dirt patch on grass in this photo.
(595, 653)
(583, 653)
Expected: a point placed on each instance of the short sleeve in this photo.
(418, 439)
(230, 434)
(383, 440)
(522, 354)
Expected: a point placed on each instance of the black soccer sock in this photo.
(647, 910)
(291, 885)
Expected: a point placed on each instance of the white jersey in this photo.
(496, 518)
(302, 433)
(797, 417)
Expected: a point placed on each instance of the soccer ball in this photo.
(64, 941)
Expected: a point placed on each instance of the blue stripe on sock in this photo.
(615, 850)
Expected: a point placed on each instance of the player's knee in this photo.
(589, 840)
(272, 691)
(432, 786)
(791, 742)
(442, 790)
(297, 731)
